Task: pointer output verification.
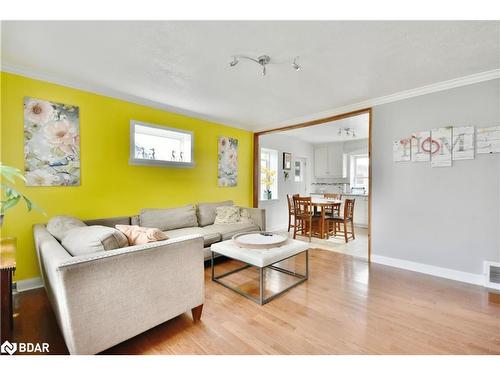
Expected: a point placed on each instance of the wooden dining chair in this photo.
(291, 210)
(330, 210)
(304, 216)
(339, 221)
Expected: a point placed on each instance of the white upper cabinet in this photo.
(321, 161)
(330, 161)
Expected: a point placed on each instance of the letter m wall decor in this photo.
(463, 143)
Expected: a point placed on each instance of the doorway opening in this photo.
(326, 159)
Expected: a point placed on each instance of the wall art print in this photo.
(287, 161)
(463, 143)
(401, 149)
(488, 140)
(421, 144)
(51, 143)
(441, 139)
(227, 174)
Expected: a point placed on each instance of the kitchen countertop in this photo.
(344, 194)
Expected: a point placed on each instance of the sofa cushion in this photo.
(91, 239)
(229, 230)
(59, 226)
(137, 235)
(227, 215)
(206, 211)
(209, 237)
(169, 218)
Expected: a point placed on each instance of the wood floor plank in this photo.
(346, 307)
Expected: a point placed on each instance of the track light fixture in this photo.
(347, 132)
(262, 61)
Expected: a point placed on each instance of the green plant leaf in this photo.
(8, 204)
(32, 206)
(10, 172)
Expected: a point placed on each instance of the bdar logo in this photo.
(8, 347)
(23, 347)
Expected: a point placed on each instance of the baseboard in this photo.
(28, 284)
(447, 273)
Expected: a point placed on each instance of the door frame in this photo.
(256, 162)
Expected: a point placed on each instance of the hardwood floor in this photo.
(346, 307)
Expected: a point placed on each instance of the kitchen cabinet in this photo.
(330, 161)
(321, 161)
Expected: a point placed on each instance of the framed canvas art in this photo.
(401, 149)
(227, 171)
(463, 143)
(488, 140)
(51, 143)
(441, 147)
(421, 146)
(287, 161)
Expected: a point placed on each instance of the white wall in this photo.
(444, 217)
(277, 210)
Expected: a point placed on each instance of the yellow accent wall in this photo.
(109, 185)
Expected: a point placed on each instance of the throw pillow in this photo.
(59, 226)
(206, 212)
(93, 238)
(227, 215)
(137, 235)
(245, 216)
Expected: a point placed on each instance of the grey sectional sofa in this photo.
(103, 298)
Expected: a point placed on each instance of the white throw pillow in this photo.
(245, 216)
(227, 215)
(59, 226)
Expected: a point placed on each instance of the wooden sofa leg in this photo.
(196, 312)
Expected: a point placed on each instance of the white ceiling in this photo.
(183, 66)
(328, 131)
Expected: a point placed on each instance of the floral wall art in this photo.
(227, 174)
(51, 143)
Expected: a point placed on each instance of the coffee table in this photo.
(261, 259)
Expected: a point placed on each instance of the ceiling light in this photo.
(262, 61)
(234, 62)
(347, 132)
(296, 66)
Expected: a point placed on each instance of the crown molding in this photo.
(111, 93)
(100, 90)
(428, 89)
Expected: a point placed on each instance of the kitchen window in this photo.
(359, 171)
(268, 174)
(158, 145)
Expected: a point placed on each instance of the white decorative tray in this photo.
(257, 240)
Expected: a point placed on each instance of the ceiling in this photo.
(328, 131)
(184, 66)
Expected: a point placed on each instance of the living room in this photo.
(177, 187)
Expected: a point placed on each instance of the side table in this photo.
(7, 268)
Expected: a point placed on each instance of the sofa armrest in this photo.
(117, 294)
(258, 215)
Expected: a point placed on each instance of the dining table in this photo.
(320, 205)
